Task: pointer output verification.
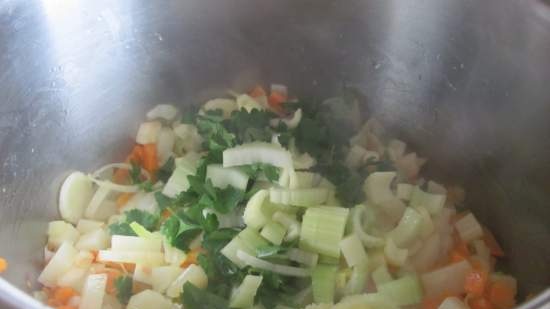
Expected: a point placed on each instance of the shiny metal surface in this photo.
(465, 81)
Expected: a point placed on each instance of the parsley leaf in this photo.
(123, 285)
(271, 172)
(179, 231)
(196, 298)
(146, 219)
(166, 170)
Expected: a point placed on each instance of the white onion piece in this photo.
(75, 194)
(368, 240)
(377, 187)
(99, 172)
(113, 186)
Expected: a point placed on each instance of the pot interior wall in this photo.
(465, 82)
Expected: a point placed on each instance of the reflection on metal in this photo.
(465, 81)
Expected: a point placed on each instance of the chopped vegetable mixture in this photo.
(265, 201)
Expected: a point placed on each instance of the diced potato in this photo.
(111, 302)
(135, 243)
(95, 240)
(469, 228)
(163, 276)
(59, 264)
(59, 232)
(84, 259)
(145, 258)
(194, 274)
(85, 225)
(172, 255)
(148, 299)
(148, 132)
(93, 291)
(143, 274)
(74, 278)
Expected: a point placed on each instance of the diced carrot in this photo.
(166, 214)
(62, 295)
(257, 91)
(479, 303)
(476, 281)
(191, 257)
(502, 292)
(65, 307)
(121, 175)
(150, 160)
(3, 265)
(123, 199)
(491, 242)
(276, 99)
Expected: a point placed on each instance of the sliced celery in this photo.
(255, 262)
(274, 232)
(323, 229)
(289, 221)
(353, 250)
(243, 296)
(222, 177)
(177, 182)
(303, 180)
(404, 291)
(298, 197)
(258, 210)
(323, 279)
(257, 152)
(407, 229)
(303, 257)
(329, 260)
(248, 240)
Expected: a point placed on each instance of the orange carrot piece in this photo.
(479, 303)
(121, 175)
(276, 99)
(62, 295)
(476, 281)
(257, 91)
(150, 161)
(502, 293)
(123, 199)
(491, 242)
(65, 307)
(3, 265)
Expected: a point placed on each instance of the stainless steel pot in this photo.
(466, 82)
